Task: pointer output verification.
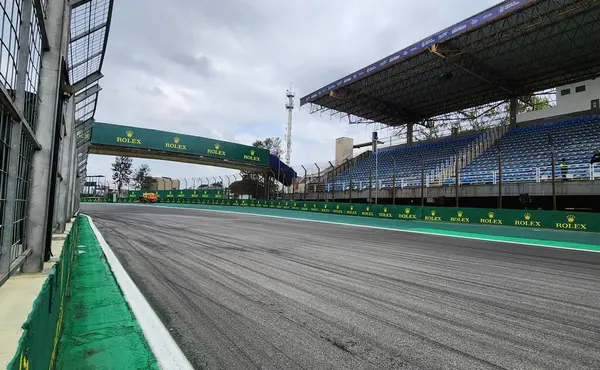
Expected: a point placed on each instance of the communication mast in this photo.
(288, 136)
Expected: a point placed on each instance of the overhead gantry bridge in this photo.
(110, 139)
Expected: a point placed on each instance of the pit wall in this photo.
(41, 331)
(557, 220)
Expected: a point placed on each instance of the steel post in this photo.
(499, 177)
(553, 158)
(422, 182)
(394, 182)
(318, 181)
(332, 181)
(305, 182)
(370, 183)
(60, 216)
(456, 180)
(228, 186)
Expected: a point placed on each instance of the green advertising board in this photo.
(177, 196)
(148, 139)
(557, 220)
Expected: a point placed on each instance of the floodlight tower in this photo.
(288, 135)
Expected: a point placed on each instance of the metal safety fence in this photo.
(381, 175)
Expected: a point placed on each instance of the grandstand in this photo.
(527, 153)
(494, 58)
(526, 158)
(407, 162)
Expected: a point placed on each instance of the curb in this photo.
(163, 346)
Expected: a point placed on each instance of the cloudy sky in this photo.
(220, 69)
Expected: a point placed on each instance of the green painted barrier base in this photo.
(100, 330)
(41, 331)
(557, 220)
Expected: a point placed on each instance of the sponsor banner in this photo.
(147, 139)
(501, 217)
(557, 220)
(477, 20)
(177, 196)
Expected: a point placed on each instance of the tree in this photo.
(430, 130)
(248, 186)
(528, 104)
(142, 179)
(121, 168)
(273, 144)
(254, 183)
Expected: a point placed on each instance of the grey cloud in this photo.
(201, 65)
(158, 61)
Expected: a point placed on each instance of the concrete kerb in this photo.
(163, 346)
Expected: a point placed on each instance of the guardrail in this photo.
(514, 174)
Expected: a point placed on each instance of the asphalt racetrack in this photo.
(239, 291)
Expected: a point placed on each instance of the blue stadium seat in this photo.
(526, 157)
(526, 152)
(408, 164)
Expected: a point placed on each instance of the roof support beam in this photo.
(478, 69)
(87, 59)
(402, 114)
(40, 14)
(84, 82)
(83, 124)
(87, 93)
(91, 102)
(87, 32)
(76, 3)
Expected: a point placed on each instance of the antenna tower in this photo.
(288, 132)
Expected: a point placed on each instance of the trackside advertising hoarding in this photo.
(168, 195)
(557, 220)
(142, 138)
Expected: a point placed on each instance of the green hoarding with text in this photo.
(148, 139)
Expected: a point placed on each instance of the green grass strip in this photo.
(100, 330)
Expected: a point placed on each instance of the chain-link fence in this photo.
(452, 165)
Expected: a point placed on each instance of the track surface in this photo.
(246, 292)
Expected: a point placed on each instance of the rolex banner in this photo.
(558, 220)
(104, 134)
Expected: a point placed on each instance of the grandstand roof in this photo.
(512, 49)
(90, 24)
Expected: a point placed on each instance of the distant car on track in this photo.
(148, 198)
